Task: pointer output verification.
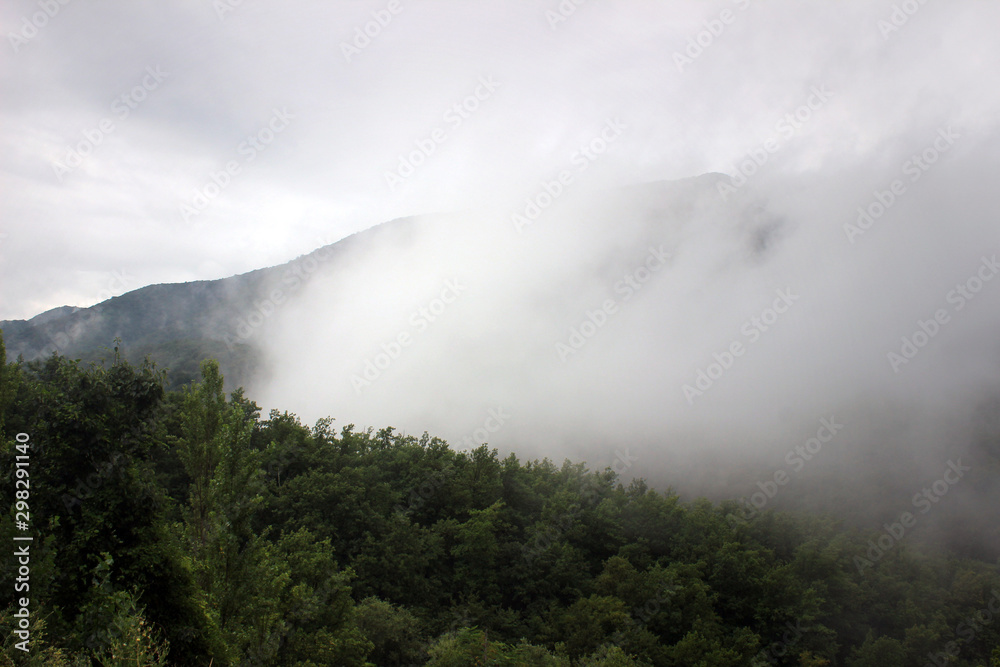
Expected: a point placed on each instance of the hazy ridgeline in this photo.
(609, 320)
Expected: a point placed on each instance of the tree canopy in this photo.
(183, 528)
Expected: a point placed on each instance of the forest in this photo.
(183, 527)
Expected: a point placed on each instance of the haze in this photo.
(828, 104)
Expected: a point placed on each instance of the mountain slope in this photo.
(177, 325)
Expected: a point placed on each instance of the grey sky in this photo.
(323, 176)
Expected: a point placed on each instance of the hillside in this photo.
(241, 540)
(176, 325)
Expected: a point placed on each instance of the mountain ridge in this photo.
(178, 324)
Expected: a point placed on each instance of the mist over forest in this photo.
(551, 333)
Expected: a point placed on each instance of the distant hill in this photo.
(871, 473)
(177, 325)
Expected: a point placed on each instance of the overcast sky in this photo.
(114, 115)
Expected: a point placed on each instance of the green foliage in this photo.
(92, 432)
(179, 527)
(473, 647)
(608, 655)
(10, 379)
(133, 641)
(394, 631)
(879, 652)
(41, 653)
(231, 564)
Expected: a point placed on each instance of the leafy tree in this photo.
(879, 652)
(235, 568)
(608, 655)
(133, 640)
(394, 632)
(42, 653)
(92, 432)
(592, 621)
(10, 379)
(319, 623)
(184, 521)
(473, 647)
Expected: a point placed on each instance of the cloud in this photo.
(808, 112)
(325, 175)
